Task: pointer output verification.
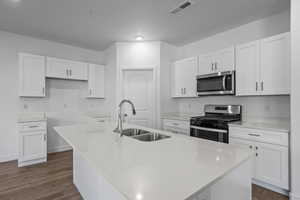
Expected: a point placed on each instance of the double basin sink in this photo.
(143, 135)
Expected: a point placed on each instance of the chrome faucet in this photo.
(119, 128)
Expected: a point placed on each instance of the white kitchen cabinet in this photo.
(271, 161)
(31, 75)
(206, 64)
(247, 68)
(177, 126)
(219, 61)
(32, 143)
(263, 67)
(66, 69)
(225, 60)
(184, 74)
(275, 64)
(96, 81)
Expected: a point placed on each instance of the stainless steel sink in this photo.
(134, 132)
(150, 137)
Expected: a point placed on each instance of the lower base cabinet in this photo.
(271, 161)
(32, 143)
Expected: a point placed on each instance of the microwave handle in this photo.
(224, 82)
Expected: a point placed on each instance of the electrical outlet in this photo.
(25, 106)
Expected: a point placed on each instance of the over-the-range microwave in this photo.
(221, 83)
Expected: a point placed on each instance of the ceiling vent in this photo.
(181, 6)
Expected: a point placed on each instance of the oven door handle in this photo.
(209, 129)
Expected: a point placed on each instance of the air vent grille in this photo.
(181, 6)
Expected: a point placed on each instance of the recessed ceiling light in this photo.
(139, 38)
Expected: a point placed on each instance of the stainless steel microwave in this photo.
(221, 83)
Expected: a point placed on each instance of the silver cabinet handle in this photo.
(70, 72)
(256, 154)
(216, 66)
(212, 66)
(45, 137)
(67, 72)
(256, 85)
(262, 86)
(175, 124)
(255, 135)
(43, 90)
(184, 90)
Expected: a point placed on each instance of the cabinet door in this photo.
(272, 165)
(177, 80)
(96, 81)
(224, 60)
(32, 145)
(206, 64)
(246, 144)
(32, 75)
(78, 70)
(189, 74)
(57, 68)
(247, 68)
(275, 65)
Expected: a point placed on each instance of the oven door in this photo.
(217, 83)
(217, 135)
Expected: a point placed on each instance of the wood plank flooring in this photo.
(54, 181)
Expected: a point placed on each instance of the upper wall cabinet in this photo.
(263, 67)
(96, 81)
(219, 61)
(184, 74)
(31, 75)
(66, 69)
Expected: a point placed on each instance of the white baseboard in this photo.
(8, 158)
(271, 187)
(59, 149)
(294, 196)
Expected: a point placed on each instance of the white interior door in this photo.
(138, 87)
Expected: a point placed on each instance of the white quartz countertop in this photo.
(32, 117)
(180, 116)
(173, 168)
(271, 125)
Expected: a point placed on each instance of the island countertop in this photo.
(173, 168)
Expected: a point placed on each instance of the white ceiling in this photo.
(95, 24)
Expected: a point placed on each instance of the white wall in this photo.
(168, 53)
(295, 99)
(254, 107)
(59, 92)
(140, 55)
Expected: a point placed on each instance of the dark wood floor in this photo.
(53, 181)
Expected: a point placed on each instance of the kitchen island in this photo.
(110, 167)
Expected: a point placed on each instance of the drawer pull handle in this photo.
(175, 124)
(33, 126)
(101, 121)
(255, 135)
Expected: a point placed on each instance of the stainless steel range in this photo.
(214, 124)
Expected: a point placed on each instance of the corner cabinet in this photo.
(263, 66)
(31, 75)
(220, 61)
(96, 81)
(184, 74)
(66, 69)
(271, 150)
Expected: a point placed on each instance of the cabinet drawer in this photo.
(32, 126)
(264, 136)
(177, 124)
